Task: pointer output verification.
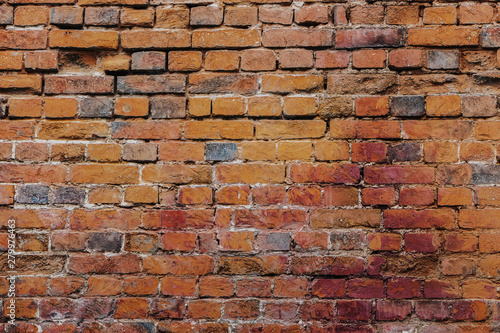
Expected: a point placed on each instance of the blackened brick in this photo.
(404, 152)
(33, 194)
(68, 195)
(96, 107)
(168, 107)
(105, 242)
(408, 106)
(221, 151)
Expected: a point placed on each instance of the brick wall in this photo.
(264, 166)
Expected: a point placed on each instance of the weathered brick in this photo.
(149, 61)
(368, 37)
(226, 38)
(168, 107)
(96, 107)
(206, 16)
(82, 84)
(88, 39)
(102, 16)
(31, 15)
(443, 36)
(137, 17)
(221, 151)
(438, 59)
(297, 37)
(33, 194)
(276, 15)
(151, 84)
(240, 16)
(184, 61)
(146, 39)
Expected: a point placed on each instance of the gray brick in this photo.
(485, 174)
(139, 152)
(33, 194)
(151, 84)
(6, 15)
(149, 61)
(168, 107)
(68, 195)
(105, 242)
(275, 241)
(206, 15)
(408, 106)
(3, 107)
(66, 16)
(479, 106)
(404, 152)
(96, 107)
(441, 59)
(102, 16)
(348, 240)
(221, 151)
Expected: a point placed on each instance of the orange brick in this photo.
(137, 17)
(331, 151)
(228, 106)
(473, 14)
(179, 241)
(454, 196)
(476, 151)
(402, 15)
(147, 285)
(11, 60)
(31, 15)
(233, 195)
(362, 14)
(295, 150)
(440, 152)
(258, 150)
(6, 194)
(105, 195)
(141, 194)
(444, 36)
(440, 15)
(104, 286)
(236, 241)
(369, 59)
(120, 62)
(181, 151)
(86, 39)
(195, 195)
(132, 107)
(443, 106)
(199, 106)
(56, 107)
(385, 242)
(175, 286)
(104, 152)
(299, 106)
(372, 106)
(264, 106)
(25, 107)
(222, 60)
(184, 61)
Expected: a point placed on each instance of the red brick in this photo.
(369, 59)
(297, 37)
(406, 59)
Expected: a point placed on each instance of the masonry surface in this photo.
(250, 166)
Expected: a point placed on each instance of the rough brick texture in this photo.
(251, 166)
